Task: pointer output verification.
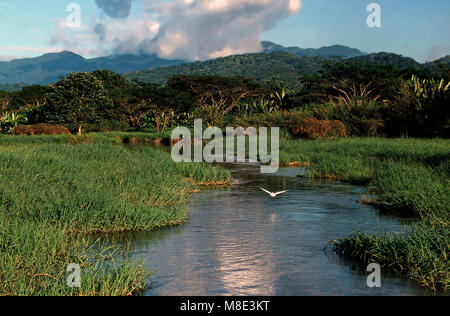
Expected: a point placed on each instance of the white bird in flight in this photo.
(273, 195)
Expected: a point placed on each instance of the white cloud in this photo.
(177, 29)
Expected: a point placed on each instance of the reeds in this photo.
(54, 191)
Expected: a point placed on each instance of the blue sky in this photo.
(415, 28)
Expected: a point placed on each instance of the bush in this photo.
(10, 121)
(40, 129)
(420, 109)
(276, 118)
(362, 119)
(314, 128)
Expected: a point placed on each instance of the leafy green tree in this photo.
(77, 100)
(121, 92)
(28, 97)
(279, 92)
(160, 106)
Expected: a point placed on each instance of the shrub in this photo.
(10, 121)
(314, 128)
(40, 129)
(360, 118)
(420, 109)
(276, 118)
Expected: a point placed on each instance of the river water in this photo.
(239, 241)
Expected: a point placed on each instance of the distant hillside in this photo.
(11, 87)
(49, 67)
(330, 51)
(439, 67)
(259, 67)
(394, 60)
(291, 63)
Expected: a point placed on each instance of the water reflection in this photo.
(239, 241)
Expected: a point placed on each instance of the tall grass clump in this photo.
(34, 258)
(57, 190)
(422, 254)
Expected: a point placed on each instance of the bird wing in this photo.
(281, 192)
(268, 192)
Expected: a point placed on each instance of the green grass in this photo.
(55, 191)
(410, 177)
(34, 258)
(422, 255)
(103, 138)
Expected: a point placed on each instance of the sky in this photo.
(203, 29)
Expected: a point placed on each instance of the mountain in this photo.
(389, 59)
(11, 87)
(291, 68)
(438, 67)
(327, 52)
(444, 60)
(259, 67)
(291, 63)
(49, 67)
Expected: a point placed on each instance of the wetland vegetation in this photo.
(54, 193)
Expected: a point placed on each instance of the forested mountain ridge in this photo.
(328, 51)
(258, 67)
(290, 63)
(49, 67)
(291, 68)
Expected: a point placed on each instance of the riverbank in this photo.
(57, 190)
(409, 176)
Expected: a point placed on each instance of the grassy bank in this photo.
(54, 191)
(410, 177)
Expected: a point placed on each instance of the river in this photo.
(240, 241)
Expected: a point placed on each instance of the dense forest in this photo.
(291, 68)
(372, 95)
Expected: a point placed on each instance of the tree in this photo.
(279, 92)
(77, 100)
(28, 97)
(120, 91)
(216, 96)
(158, 104)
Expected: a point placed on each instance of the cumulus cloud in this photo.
(181, 29)
(117, 9)
(202, 29)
